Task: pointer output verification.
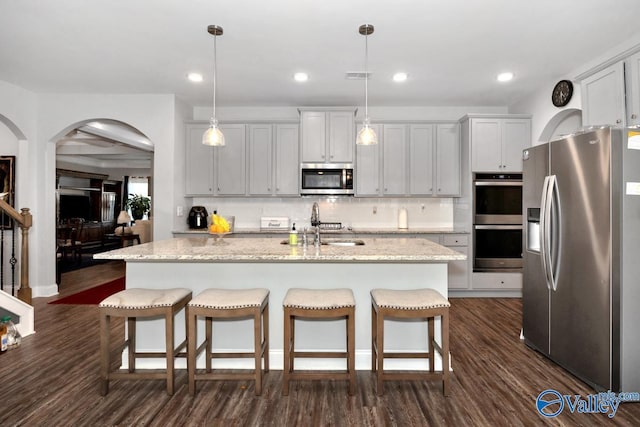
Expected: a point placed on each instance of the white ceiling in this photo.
(452, 49)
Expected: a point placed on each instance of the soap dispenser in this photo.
(293, 235)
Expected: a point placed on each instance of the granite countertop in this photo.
(359, 231)
(207, 249)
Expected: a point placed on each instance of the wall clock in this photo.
(562, 92)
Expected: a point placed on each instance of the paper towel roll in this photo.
(403, 222)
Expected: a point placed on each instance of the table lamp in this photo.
(123, 218)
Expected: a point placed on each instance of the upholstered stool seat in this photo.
(425, 304)
(229, 304)
(141, 303)
(318, 304)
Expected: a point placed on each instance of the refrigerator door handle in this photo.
(545, 217)
(554, 215)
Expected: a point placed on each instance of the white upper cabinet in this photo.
(632, 73)
(434, 160)
(230, 161)
(394, 160)
(199, 162)
(447, 163)
(367, 180)
(215, 170)
(421, 159)
(497, 143)
(410, 160)
(260, 160)
(327, 136)
(286, 160)
(273, 160)
(603, 97)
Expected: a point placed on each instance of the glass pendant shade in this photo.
(213, 136)
(367, 136)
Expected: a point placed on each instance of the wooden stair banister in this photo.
(25, 221)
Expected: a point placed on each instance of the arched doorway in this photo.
(94, 160)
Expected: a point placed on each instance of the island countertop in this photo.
(207, 249)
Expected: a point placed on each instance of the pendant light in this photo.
(366, 136)
(214, 136)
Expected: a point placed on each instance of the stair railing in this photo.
(25, 221)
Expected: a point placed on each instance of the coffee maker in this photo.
(197, 217)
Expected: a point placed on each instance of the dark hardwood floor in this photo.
(52, 380)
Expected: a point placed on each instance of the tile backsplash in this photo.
(350, 211)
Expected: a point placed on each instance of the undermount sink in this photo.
(334, 242)
(343, 242)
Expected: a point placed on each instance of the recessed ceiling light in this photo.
(505, 77)
(301, 77)
(400, 77)
(195, 77)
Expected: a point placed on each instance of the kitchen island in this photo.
(204, 262)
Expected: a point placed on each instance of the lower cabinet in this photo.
(497, 281)
(458, 277)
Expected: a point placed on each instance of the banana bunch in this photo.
(219, 224)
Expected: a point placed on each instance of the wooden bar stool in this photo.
(318, 304)
(424, 304)
(229, 304)
(141, 303)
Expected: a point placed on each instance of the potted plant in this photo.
(138, 204)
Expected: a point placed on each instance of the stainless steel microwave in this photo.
(326, 178)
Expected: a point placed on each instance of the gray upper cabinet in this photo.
(410, 160)
(421, 159)
(394, 160)
(286, 160)
(434, 160)
(199, 163)
(273, 160)
(603, 97)
(367, 180)
(327, 136)
(215, 170)
(632, 74)
(260, 160)
(497, 143)
(447, 164)
(230, 161)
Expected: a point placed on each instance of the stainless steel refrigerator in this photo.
(581, 289)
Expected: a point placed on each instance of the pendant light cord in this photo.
(215, 62)
(366, 76)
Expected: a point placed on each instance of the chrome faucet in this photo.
(315, 222)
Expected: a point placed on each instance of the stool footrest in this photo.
(226, 376)
(410, 375)
(233, 355)
(321, 354)
(333, 375)
(406, 355)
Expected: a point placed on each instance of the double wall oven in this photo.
(497, 222)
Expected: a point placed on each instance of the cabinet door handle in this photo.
(618, 121)
(634, 116)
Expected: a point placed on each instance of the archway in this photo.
(564, 122)
(94, 158)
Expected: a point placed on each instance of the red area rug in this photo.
(93, 295)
